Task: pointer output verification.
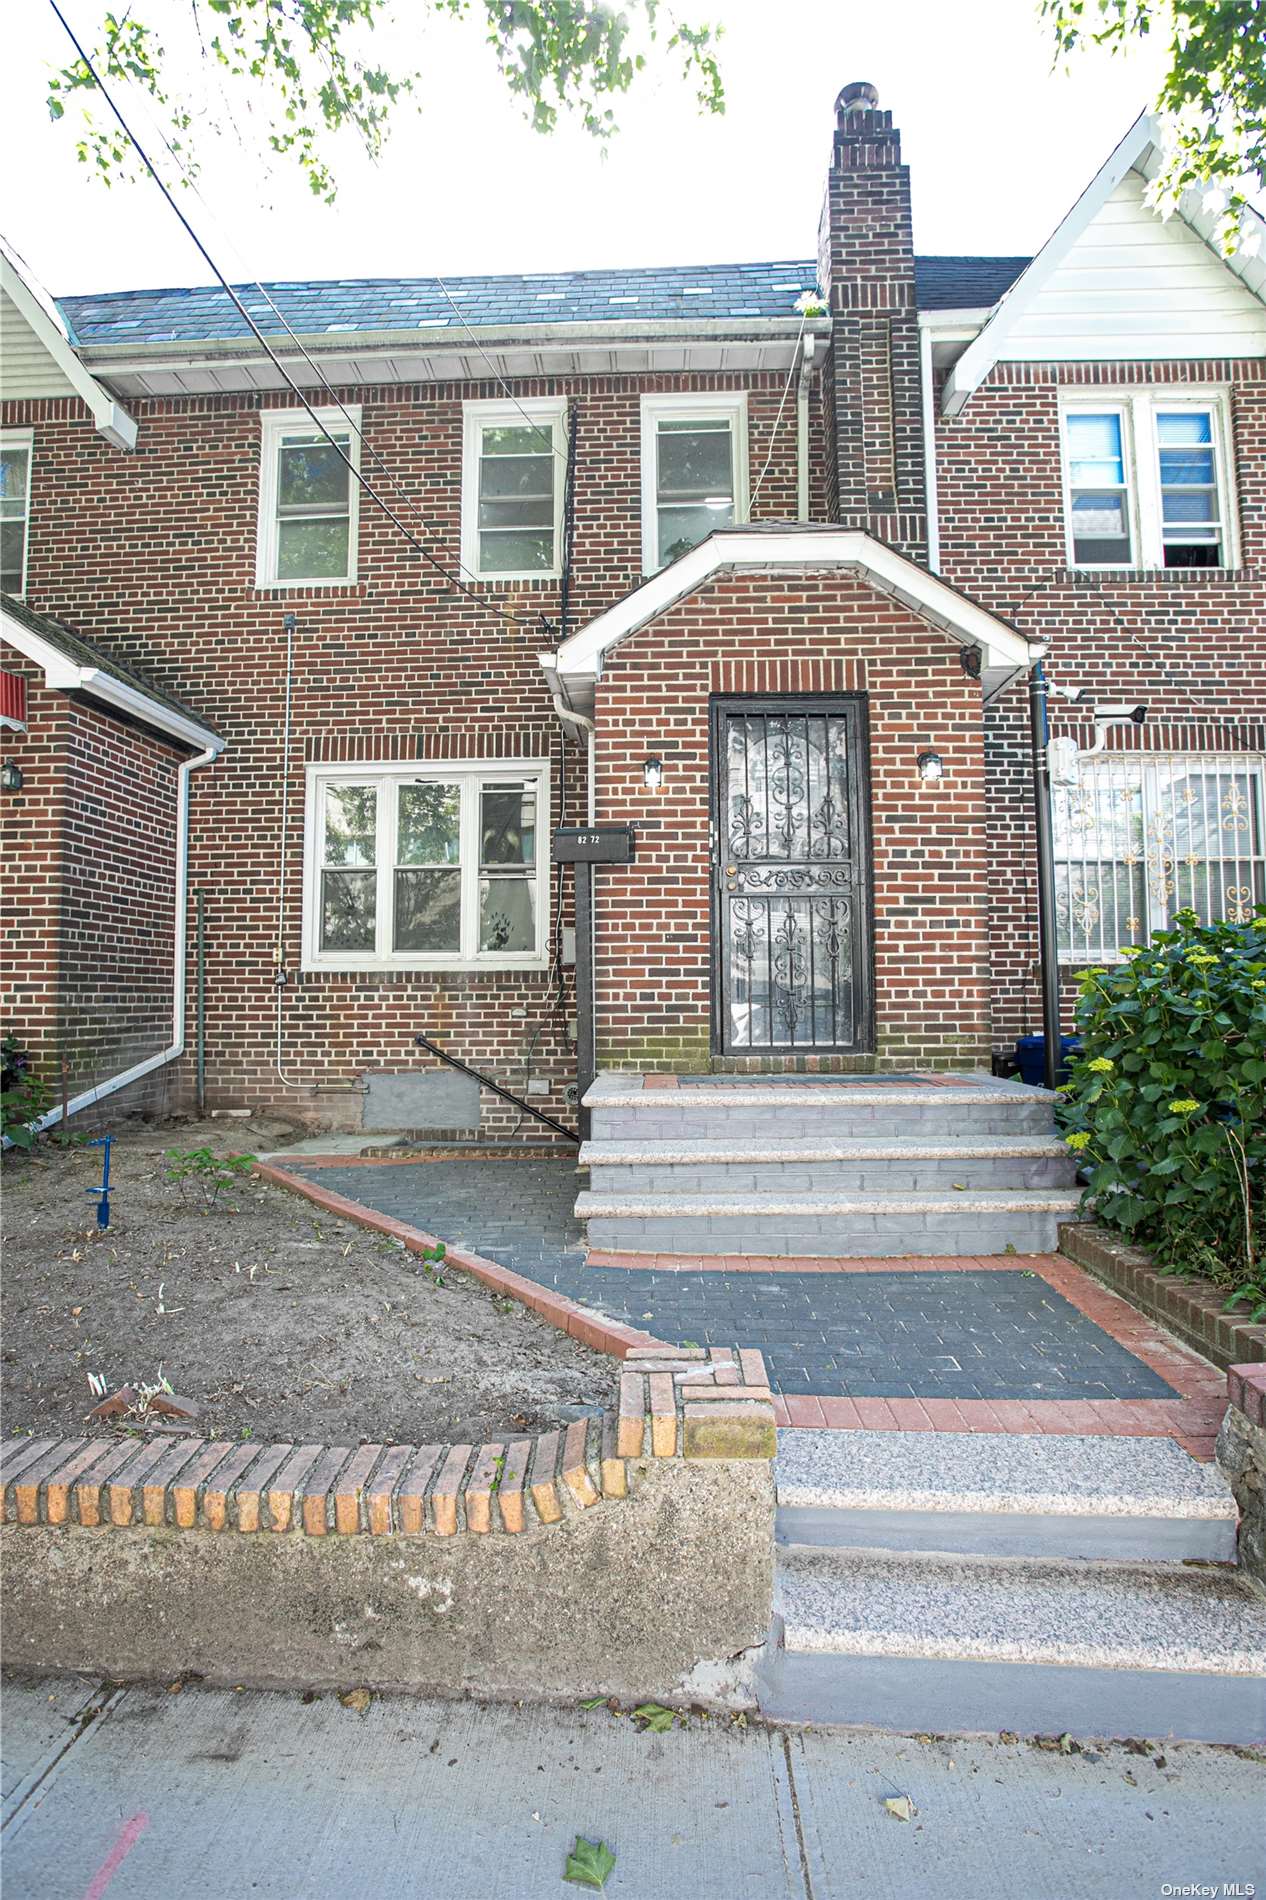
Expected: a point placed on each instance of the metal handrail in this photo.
(486, 1082)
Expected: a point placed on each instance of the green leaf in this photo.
(588, 1864)
(653, 1716)
(594, 1702)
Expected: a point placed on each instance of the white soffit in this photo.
(111, 418)
(578, 662)
(1117, 281)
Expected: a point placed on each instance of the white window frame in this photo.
(538, 412)
(1138, 409)
(1158, 850)
(23, 439)
(388, 776)
(696, 405)
(274, 423)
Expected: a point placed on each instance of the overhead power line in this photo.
(367, 487)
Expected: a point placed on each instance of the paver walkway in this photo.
(994, 1343)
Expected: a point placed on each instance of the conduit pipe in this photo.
(808, 363)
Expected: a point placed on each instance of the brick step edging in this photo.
(581, 1322)
(673, 1404)
(1191, 1308)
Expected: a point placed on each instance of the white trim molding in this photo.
(111, 418)
(547, 413)
(387, 776)
(1140, 150)
(719, 405)
(63, 674)
(22, 439)
(574, 668)
(274, 424)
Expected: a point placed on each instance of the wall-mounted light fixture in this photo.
(931, 767)
(653, 773)
(11, 779)
(969, 660)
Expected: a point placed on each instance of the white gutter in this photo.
(929, 448)
(802, 428)
(176, 1047)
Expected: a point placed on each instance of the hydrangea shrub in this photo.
(1166, 1103)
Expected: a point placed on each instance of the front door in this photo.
(791, 876)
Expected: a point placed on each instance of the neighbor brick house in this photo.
(754, 558)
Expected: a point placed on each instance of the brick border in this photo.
(674, 1403)
(591, 1328)
(1246, 1392)
(1193, 1309)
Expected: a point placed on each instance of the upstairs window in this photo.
(15, 508)
(694, 472)
(1142, 836)
(426, 867)
(512, 489)
(308, 498)
(1148, 481)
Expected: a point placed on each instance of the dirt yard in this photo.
(280, 1321)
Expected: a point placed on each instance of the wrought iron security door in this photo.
(791, 964)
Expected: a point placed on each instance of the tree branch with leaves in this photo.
(1212, 101)
(314, 61)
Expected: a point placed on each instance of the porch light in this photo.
(653, 773)
(931, 767)
(11, 779)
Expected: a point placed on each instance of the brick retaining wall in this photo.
(1193, 1309)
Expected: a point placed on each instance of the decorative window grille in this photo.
(1141, 837)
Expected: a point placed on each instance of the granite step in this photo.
(956, 1645)
(873, 1164)
(1136, 1500)
(623, 1109)
(835, 1225)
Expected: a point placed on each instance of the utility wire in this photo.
(462, 319)
(366, 486)
(786, 391)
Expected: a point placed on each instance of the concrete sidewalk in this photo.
(211, 1795)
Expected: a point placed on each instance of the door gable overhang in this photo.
(573, 670)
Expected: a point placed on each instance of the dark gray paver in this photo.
(991, 1334)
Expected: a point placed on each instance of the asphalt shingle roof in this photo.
(405, 303)
(83, 653)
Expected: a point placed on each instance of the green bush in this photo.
(1166, 1103)
(24, 1096)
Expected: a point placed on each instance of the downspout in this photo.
(807, 366)
(177, 1046)
(929, 448)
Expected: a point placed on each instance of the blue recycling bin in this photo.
(1030, 1055)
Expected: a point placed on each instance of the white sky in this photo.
(999, 144)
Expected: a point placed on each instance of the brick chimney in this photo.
(866, 271)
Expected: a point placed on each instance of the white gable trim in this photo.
(111, 418)
(578, 662)
(65, 675)
(1139, 150)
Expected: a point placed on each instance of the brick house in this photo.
(754, 559)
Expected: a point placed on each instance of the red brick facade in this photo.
(89, 915)
(152, 555)
(771, 633)
(1191, 643)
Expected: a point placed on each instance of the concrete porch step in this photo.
(1136, 1500)
(834, 1225)
(955, 1645)
(794, 1107)
(871, 1164)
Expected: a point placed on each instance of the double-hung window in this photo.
(428, 866)
(1141, 836)
(15, 508)
(694, 471)
(514, 462)
(1148, 480)
(308, 498)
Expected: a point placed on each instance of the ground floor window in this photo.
(1140, 837)
(428, 866)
